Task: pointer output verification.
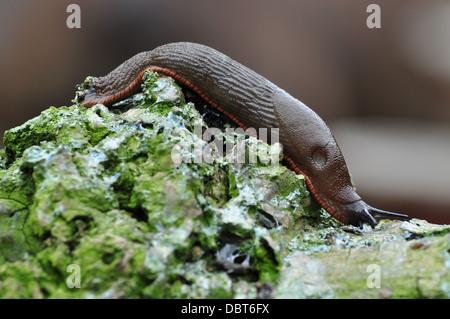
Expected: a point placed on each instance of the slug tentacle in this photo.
(380, 214)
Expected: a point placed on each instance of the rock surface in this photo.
(129, 202)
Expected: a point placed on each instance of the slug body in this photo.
(251, 100)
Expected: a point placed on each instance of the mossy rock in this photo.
(114, 203)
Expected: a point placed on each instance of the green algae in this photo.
(119, 193)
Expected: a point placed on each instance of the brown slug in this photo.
(251, 100)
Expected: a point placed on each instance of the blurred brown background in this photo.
(384, 92)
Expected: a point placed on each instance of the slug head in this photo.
(309, 143)
(359, 213)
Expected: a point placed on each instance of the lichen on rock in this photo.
(126, 195)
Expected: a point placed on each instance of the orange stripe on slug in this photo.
(119, 95)
(320, 199)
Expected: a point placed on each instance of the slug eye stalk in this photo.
(379, 214)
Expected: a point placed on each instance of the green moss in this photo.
(2, 159)
(267, 262)
(98, 188)
(21, 280)
(13, 242)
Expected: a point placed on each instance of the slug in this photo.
(250, 100)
